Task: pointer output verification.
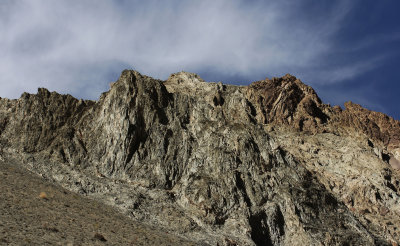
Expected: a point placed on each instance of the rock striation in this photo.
(264, 164)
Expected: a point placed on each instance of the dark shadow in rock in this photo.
(259, 230)
(241, 185)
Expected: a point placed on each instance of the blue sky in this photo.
(347, 50)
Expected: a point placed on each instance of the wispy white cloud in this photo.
(76, 46)
(334, 73)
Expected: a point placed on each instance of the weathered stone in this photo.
(265, 164)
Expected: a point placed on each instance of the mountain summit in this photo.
(217, 164)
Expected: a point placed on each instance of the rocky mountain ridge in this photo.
(264, 164)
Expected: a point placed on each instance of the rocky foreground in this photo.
(213, 164)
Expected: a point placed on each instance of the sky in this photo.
(347, 50)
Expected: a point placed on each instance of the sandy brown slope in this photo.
(60, 217)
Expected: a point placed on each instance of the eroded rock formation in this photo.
(264, 164)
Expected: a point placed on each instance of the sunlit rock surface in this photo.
(264, 164)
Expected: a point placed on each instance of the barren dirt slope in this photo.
(59, 217)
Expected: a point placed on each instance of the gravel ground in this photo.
(36, 212)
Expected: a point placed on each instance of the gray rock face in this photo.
(267, 164)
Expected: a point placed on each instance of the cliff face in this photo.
(264, 164)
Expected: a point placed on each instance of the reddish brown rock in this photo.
(290, 102)
(287, 100)
(377, 126)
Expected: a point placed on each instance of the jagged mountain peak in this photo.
(264, 164)
(185, 77)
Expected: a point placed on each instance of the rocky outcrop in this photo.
(287, 100)
(264, 164)
(377, 126)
